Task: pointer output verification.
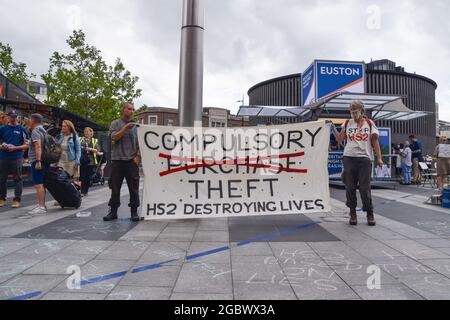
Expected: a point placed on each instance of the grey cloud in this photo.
(246, 41)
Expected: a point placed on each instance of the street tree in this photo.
(83, 83)
(15, 71)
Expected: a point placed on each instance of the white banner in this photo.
(193, 173)
(444, 151)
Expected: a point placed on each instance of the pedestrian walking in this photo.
(89, 159)
(126, 158)
(443, 165)
(417, 157)
(362, 136)
(38, 167)
(14, 141)
(406, 157)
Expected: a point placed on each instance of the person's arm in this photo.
(339, 136)
(118, 135)
(377, 148)
(37, 147)
(19, 148)
(77, 150)
(419, 149)
(436, 152)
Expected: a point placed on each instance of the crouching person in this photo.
(126, 159)
(362, 136)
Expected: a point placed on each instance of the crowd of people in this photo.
(411, 162)
(80, 157)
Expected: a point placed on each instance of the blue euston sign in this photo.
(324, 78)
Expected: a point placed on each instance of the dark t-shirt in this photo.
(15, 136)
(417, 146)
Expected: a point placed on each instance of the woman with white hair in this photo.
(443, 164)
(361, 135)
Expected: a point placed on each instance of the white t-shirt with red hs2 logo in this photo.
(359, 141)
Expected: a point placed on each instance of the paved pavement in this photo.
(290, 257)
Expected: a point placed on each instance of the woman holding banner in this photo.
(443, 164)
(361, 135)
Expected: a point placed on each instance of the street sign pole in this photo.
(190, 99)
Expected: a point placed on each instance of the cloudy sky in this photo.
(247, 41)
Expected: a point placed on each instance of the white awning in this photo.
(265, 111)
(383, 107)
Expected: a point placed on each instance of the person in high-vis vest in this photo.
(89, 159)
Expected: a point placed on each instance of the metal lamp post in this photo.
(190, 99)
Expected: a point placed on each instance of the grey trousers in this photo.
(358, 172)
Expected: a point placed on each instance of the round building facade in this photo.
(382, 77)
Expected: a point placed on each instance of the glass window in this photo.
(153, 120)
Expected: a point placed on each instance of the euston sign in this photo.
(330, 77)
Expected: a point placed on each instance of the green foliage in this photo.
(15, 71)
(82, 82)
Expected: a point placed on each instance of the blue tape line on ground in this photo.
(276, 235)
(192, 257)
(26, 296)
(103, 278)
(152, 266)
(207, 253)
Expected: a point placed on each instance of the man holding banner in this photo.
(125, 158)
(362, 136)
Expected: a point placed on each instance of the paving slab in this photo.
(431, 287)
(139, 293)
(203, 278)
(87, 247)
(211, 236)
(441, 266)
(166, 276)
(375, 251)
(252, 249)
(201, 297)
(255, 268)
(338, 253)
(124, 250)
(263, 291)
(24, 284)
(357, 275)
(387, 292)
(8, 246)
(415, 250)
(73, 296)
(203, 247)
(96, 269)
(159, 252)
(58, 264)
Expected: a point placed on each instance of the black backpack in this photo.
(51, 149)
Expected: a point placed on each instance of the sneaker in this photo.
(2, 203)
(38, 210)
(16, 204)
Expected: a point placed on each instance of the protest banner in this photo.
(217, 172)
(444, 151)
